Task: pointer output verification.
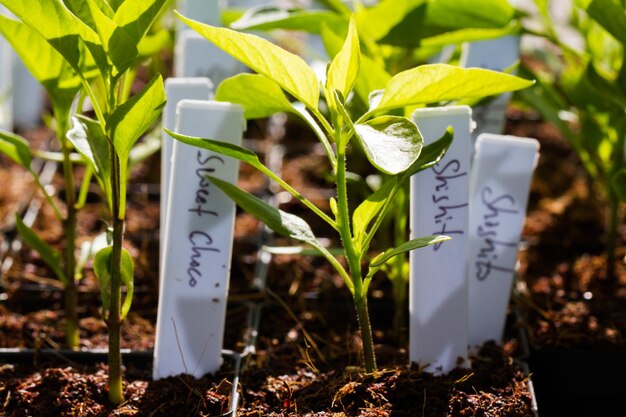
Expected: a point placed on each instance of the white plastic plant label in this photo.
(499, 185)
(499, 55)
(176, 90)
(438, 293)
(205, 11)
(28, 96)
(197, 57)
(198, 244)
(6, 81)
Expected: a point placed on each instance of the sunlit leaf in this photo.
(102, 265)
(16, 148)
(289, 71)
(344, 68)
(271, 17)
(258, 95)
(611, 15)
(421, 242)
(440, 82)
(391, 143)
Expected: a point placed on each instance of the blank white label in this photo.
(197, 57)
(198, 244)
(498, 55)
(499, 184)
(204, 11)
(438, 299)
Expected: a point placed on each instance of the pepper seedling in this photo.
(392, 144)
(108, 34)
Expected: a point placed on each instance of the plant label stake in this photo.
(438, 291)
(176, 89)
(197, 57)
(499, 55)
(6, 75)
(499, 184)
(205, 11)
(198, 244)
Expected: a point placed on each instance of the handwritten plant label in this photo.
(198, 244)
(499, 55)
(499, 184)
(176, 90)
(438, 299)
(197, 57)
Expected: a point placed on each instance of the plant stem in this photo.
(71, 295)
(354, 263)
(116, 395)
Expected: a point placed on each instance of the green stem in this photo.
(116, 395)
(71, 296)
(354, 262)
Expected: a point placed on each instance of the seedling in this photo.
(107, 35)
(392, 144)
(587, 101)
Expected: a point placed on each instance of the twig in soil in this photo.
(180, 349)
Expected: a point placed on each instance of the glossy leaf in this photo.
(258, 95)
(440, 82)
(279, 221)
(102, 265)
(49, 255)
(87, 137)
(44, 62)
(431, 154)
(611, 15)
(391, 143)
(271, 18)
(132, 119)
(137, 16)
(344, 68)
(420, 242)
(16, 148)
(289, 71)
(81, 9)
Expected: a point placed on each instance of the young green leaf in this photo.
(270, 18)
(46, 65)
(258, 95)
(440, 82)
(61, 28)
(102, 267)
(87, 137)
(137, 16)
(81, 9)
(279, 221)
(16, 148)
(420, 242)
(49, 255)
(391, 143)
(130, 120)
(344, 68)
(289, 71)
(611, 15)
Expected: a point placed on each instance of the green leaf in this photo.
(258, 95)
(131, 120)
(87, 137)
(420, 242)
(265, 18)
(344, 68)
(279, 221)
(81, 9)
(611, 15)
(137, 16)
(289, 71)
(49, 255)
(619, 184)
(391, 143)
(431, 155)
(461, 14)
(16, 148)
(440, 82)
(117, 44)
(102, 266)
(62, 29)
(371, 76)
(46, 65)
